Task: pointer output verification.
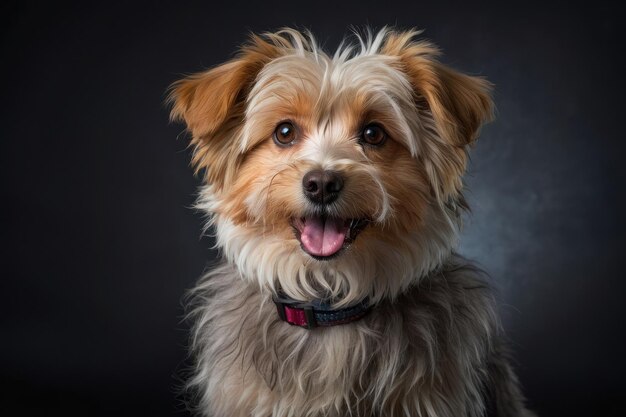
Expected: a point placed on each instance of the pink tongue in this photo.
(323, 238)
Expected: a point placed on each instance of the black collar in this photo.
(317, 313)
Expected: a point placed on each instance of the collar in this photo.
(317, 313)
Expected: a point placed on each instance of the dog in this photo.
(333, 185)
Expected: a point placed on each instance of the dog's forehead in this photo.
(329, 85)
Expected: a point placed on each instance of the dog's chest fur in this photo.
(427, 353)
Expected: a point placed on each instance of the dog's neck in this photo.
(318, 313)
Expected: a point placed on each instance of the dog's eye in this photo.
(285, 134)
(373, 135)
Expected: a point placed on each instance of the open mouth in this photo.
(325, 237)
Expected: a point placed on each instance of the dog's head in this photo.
(333, 176)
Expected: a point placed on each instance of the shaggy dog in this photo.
(333, 186)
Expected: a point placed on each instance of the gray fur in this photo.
(436, 351)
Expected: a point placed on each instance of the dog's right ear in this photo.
(211, 104)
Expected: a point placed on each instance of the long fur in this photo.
(432, 345)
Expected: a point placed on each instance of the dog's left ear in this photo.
(454, 105)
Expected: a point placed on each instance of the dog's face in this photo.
(334, 176)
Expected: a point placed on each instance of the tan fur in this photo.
(211, 102)
(432, 345)
(459, 104)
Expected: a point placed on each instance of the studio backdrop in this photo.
(100, 240)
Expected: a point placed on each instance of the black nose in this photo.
(322, 187)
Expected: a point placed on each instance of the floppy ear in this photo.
(212, 105)
(453, 107)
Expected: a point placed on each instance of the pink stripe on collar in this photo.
(295, 316)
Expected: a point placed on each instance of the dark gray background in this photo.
(100, 243)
